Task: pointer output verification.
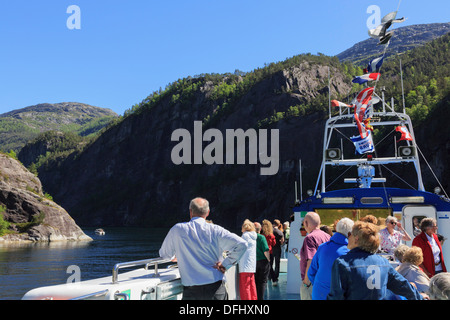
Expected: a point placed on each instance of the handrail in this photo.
(147, 263)
(175, 289)
(93, 295)
(122, 295)
(164, 290)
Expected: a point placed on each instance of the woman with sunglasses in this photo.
(391, 238)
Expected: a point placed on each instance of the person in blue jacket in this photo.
(363, 275)
(319, 272)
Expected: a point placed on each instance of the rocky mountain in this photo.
(146, 168)
(404, 39)
(26, 213)
(128, 177)
(20, 126)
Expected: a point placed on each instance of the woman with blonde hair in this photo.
(267, 231)
(247, 264)
(363, 275)
(409, 268)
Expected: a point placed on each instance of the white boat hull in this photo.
(138, 284)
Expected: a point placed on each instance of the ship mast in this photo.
(365, 118)
(334, 156)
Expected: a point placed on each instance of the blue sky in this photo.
(125, 50)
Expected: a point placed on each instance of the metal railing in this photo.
(121, 296)
(101, 294)
(163, 291)
(147, 263)
(92, 296)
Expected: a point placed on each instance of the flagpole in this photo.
(403, 91)
(399, 3)
(395, 146)
(295, 191)
(301, 182)
(379, 71)
(329, 94)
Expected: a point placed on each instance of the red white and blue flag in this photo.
(405, 133)
(336, 103)
(363, 104)
(366, 78)
(362, 101)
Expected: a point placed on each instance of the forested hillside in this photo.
(20, 126)
(426, 77)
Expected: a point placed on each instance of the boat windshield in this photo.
(330, 216)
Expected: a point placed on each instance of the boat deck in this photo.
(279, 292)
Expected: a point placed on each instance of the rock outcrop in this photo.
(32, 217)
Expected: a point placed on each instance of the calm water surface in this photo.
(28, 266)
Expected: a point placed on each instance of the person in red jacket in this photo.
(267, 231)
(427, 240)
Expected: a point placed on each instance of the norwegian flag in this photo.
(362, 102)
(405, 133)
(366, 78)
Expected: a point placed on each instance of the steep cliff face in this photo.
(127, 176)
(24, 206)
(433, 137)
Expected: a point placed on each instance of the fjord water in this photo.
(27, 266)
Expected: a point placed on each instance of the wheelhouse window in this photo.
(330, 217)
(372, 200)
(416, 220)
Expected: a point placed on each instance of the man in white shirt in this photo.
(198, 247)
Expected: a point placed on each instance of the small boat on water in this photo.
(99, 232)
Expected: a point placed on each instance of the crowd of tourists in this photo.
(357, 261)
(350, 261)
